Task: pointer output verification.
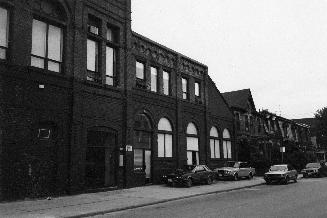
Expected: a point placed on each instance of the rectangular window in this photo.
(4, 32)
(185, 88)
(227, 148)
(138, 159)
(93, 61)
(93, 25)
(215, 149)
(197, 89)
(46, 46)
(154, 79)
(110, 65)
(110, 34)
(164, 145)
(166, 83)
(139, 70)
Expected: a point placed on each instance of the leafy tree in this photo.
(321, 118)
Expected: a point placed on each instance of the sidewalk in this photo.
(103, 202)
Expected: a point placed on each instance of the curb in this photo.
(158, 202)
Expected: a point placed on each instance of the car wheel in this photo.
(235, 177)
(189, 182)
(250, 176)
(295, 179)
(173, 184)
(209, 180)
(305, 175)
(268, 182)
(286, 180)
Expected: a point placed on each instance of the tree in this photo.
(321, 118)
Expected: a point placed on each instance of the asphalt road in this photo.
(306, 198)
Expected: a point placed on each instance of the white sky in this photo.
(277, 48)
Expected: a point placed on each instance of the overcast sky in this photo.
(277, 48)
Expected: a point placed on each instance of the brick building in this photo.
(87, 105)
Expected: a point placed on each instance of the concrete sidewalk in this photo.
(103, 202)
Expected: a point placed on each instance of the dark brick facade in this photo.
(87, 118)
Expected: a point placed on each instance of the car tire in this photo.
(173, 184)
(305, 175)
(295, 179)
(189, 183)
(235, 177)
(209, 180)
(250, 176)
(285, 182)
(268, 182)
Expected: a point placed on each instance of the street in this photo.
(307, 198)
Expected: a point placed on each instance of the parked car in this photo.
(282, 173)
(235, 170)
(189, 176)
(311, 170)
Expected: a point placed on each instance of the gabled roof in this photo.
(239, 99)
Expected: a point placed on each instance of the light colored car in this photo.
(235, 170)
(311, 170)
(282, 173)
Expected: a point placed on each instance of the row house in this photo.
(259, 133)
(87, 105)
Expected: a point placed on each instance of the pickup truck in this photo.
(235, 170)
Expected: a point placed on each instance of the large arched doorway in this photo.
(192, 145)
(143, 145)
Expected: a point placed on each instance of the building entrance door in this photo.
(147, 160)
(100, 160)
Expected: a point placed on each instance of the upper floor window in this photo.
(46, 46)
(166, 83)
(4, 32)
(92, 60)
(110, 65)
(111, 44)
(197, 89)
(185, 88)
(154, 79)
(140, 73)
(93, 25)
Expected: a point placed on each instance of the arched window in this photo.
(192, 144)
(227, 144)
(214, 143)
(165, 138)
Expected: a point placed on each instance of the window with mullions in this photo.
(4, 32)
(140, 70)
(214, 143)
(111, 45)
(165, 138)
(154, 79)
(227, 144)
(46, 46)
(93, 61)
(166, 83)
(185, 88)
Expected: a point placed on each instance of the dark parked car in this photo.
(189, 176)
(311, 170)
(235, 170)
(282, 173)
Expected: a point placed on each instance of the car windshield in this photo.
(278, 168)
(312, 165)
(231, 164)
